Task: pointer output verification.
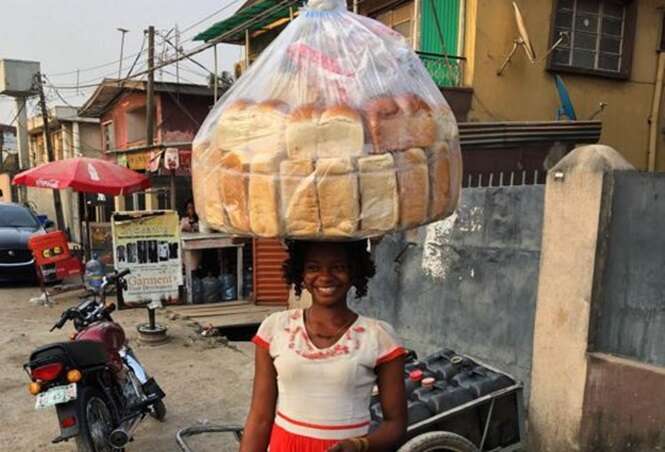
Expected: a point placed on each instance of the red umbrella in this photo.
(84, 175)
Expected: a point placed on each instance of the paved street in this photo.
(202, 379)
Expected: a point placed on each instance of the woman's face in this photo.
(190, 210)
(327, 274)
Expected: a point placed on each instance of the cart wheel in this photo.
(438, 442)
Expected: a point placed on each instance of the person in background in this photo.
(315, 368)
(190, 222)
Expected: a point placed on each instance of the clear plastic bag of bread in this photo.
(336, 131)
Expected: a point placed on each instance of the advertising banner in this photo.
(148, 244)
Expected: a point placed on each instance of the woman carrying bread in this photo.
(316, 367)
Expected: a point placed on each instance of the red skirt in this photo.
(283, 441)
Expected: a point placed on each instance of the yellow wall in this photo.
(527, 92)
(5, 186)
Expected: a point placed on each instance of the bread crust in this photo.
(414, 187)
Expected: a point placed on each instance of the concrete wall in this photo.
(630, 318)
(526, 91)
(469, 282)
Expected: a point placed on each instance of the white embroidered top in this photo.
(325, 393)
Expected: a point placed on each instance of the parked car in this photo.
(17, 224)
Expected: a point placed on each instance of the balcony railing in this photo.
(446, 70)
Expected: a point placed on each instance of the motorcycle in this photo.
(100, 390)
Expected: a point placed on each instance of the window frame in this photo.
(390, 8)
(627, 48)
(105, 141)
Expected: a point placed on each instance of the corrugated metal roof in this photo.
(253, 16)
(109, 89)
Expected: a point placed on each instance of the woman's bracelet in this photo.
(360, 444)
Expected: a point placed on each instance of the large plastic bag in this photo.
(336, 131)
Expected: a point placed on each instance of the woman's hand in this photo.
(343, 446)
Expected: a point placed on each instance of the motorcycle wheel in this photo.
(95, 422)
(438, 442)
(158, 410)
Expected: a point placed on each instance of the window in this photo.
(108, 136)
(599, 37)
(399, 19)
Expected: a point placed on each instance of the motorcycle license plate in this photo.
(56, 395)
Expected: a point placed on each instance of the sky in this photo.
(64, 35)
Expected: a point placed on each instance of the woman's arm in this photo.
(390, 434)
(262, 410)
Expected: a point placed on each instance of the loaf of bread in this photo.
(340, 132)
(301, 132)
(213, 210)
(263, 195)
(233, 174)
(266, 134)
(439, 177)
(446, 127)
(385, 122)
(234, 126)
(379, 204)
(419, 129)
(413, 180)
(337, 191)
(200, 152)
(298, 198)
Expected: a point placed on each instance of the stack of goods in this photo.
(336, 131)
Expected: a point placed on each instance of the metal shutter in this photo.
(269, 285)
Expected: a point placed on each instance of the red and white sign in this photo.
(171, 160)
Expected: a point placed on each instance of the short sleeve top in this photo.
(325, 393)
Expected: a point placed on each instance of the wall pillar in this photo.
(573, 228)
(151, 201)
(119, 202)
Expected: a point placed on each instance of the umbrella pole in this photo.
(88, 239)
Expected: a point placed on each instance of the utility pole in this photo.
(57, 203)
(150, 89)
(177, 51)
(122, 48)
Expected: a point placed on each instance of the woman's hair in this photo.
(360, 263)
(191, 201)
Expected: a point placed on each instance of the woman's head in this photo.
(328, 269)
(190, 210)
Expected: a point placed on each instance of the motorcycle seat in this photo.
(75, 353)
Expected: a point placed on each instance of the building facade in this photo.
(605, 51)
(179, 112)
(71, 136)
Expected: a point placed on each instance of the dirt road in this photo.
(203, 379)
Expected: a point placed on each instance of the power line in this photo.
(111, 63)
(204, 46)
(222, 9)
(92, 68)
(17, 113)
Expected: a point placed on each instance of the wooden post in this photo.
(57, 204)
(150, 89)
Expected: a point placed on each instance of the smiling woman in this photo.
(315, 368)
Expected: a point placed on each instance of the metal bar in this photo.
(198, 429)
(487, 425)
(479, 401)
(440, 55)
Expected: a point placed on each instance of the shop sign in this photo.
(148, 244)
(171, 160)
(155, 159)
(121, 159)
(138, 160)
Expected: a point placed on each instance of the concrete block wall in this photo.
(468, 282)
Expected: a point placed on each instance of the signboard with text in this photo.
(148, 244)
